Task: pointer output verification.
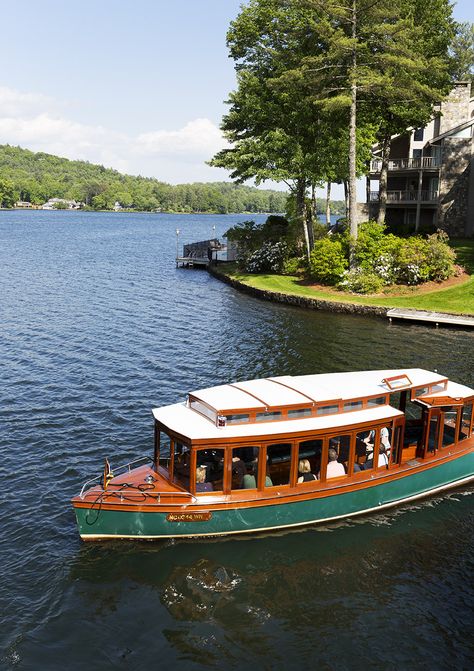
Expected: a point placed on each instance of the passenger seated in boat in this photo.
(304, 467)
(239, 471)
(250, 479)
(201, 484)
(334, 468)
(385, 438)
(383, 459)
(369, 441)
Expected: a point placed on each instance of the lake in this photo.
(98, 327)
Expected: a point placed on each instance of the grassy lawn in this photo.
(458, 299)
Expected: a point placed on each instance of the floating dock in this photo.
(436, 318)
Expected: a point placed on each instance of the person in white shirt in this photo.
(334, 468)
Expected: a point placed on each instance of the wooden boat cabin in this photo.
(286, 451)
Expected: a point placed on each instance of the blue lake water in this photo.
(98, 327)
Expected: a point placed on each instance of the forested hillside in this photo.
(36, 177)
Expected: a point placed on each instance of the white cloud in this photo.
(31, 121)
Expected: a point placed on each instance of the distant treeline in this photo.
(37, 177)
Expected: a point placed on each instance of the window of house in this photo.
(418, 134)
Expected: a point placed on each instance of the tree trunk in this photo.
(346, 197)
(353, 141)
(383, 179)
(328, 204)
(301, 211)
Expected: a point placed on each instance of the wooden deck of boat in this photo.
(435, 318)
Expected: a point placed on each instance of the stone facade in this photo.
(454, 186)
(455, 109)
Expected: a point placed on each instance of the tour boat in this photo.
(283, 452)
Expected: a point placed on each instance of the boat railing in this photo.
(116, 471)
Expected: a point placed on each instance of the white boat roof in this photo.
(296, 391)
(183, 421)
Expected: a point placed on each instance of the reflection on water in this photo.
(98, 326)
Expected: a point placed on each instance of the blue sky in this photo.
(138, 86)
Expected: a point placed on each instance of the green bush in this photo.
(328, 261)
(294, 266)
(440, 257)
(361, 281)
(269, 258)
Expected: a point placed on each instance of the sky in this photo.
(138, 86)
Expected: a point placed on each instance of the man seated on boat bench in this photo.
(250, 480)
(334, 468)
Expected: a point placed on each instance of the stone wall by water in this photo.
(301, 301)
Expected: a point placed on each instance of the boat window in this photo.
(364, 450)
(210, 470)
(299, 412)
(279, 463)
(395, 451)
(352, 405)
(242, 464)
(338, 456)
(441, 386)
(379, 400)
(465, 425)
(449, 426)
(421, 391)
(182, 464)
(268, 416)
(250, 479)
(433, 433)
(165, 450)
(237, 419)
(203, 409)
(309, 454)
(327, 409)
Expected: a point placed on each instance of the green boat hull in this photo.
(97, 524)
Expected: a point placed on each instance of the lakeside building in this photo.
(61, 203)
(430, 182)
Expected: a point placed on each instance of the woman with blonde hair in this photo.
(304, 467)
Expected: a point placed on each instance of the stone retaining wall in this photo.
(301, 301)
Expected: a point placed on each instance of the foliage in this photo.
(328, 261)
(269, 258)
(36, 177)
(250, 236)
(294, 266)
(462, 51)
(7, 193)
(361, 281)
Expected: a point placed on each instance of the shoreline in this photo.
(314, 303)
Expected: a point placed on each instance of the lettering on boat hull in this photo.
(189, 517)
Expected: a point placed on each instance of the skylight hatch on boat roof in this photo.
(397, 382)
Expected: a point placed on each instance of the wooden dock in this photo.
(436, 318)
(191, 262)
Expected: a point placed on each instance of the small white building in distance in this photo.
(61, 204)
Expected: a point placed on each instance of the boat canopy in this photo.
(180, 420)
(304, 390)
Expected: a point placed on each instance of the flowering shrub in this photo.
(440, 257)
(269, 258)
(361, 281)
(328, 261)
